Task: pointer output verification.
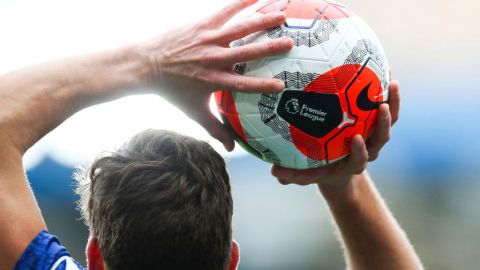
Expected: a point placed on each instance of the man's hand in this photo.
(191, 62)
(185, 66)
(371, 236)
(362, 152)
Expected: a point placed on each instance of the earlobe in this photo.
(94, 256)
(235, 259)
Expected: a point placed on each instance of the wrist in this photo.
(153, 57)
(133, 67)
(346, 191)
(114, 72)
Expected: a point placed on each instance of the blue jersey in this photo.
(46, 253)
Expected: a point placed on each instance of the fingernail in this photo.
(229, 146)
(280, 16)
(281, 84)
(387, 110)
(287, 43)
(359, 138)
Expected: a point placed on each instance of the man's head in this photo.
(162, 201)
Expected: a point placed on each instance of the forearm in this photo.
(372, 237)
(185, 66)
(35, 100)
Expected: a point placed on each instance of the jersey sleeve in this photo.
(46, 253)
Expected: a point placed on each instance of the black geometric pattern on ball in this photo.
(268, 102)
(269, 116)
(363, 50)
(237, 43)
(240, 68)
(311, 37)
(296, 80)
(360, 51)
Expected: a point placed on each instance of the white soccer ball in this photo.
(336, 76)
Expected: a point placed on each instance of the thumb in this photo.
(216, 129)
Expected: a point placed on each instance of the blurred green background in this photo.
(428, 173)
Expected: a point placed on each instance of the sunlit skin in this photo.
(362, 152)
(185, 66)
(371, 236)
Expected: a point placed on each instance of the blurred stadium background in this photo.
(428, 174)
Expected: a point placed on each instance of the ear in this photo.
(94, 256)
(235, 259)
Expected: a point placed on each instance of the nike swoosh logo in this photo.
(364, 103)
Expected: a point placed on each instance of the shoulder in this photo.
(46, 253)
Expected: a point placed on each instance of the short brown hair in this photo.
(162, 201)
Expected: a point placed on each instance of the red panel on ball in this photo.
(307, 9)
(226, 106)
(360, 93)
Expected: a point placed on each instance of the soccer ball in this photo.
(336, 76)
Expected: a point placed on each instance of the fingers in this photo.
(357, 162)
(281, 174)
(381, 135)
(300, 177)
(388, 114)
(251, 25)
(394, 100)
(232, 82)
(229, 11)
(332, 174)
(255, 51)
(216, 129)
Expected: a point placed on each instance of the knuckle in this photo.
(264, 21)
(241, 29)
(272, 46)
(373, 157)
(209, 58)
(240, 84)
(206, 37)
(249, 84)
(282, 181)
(242, 54)
(388, 137)
(263, 84)
(206, 58)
